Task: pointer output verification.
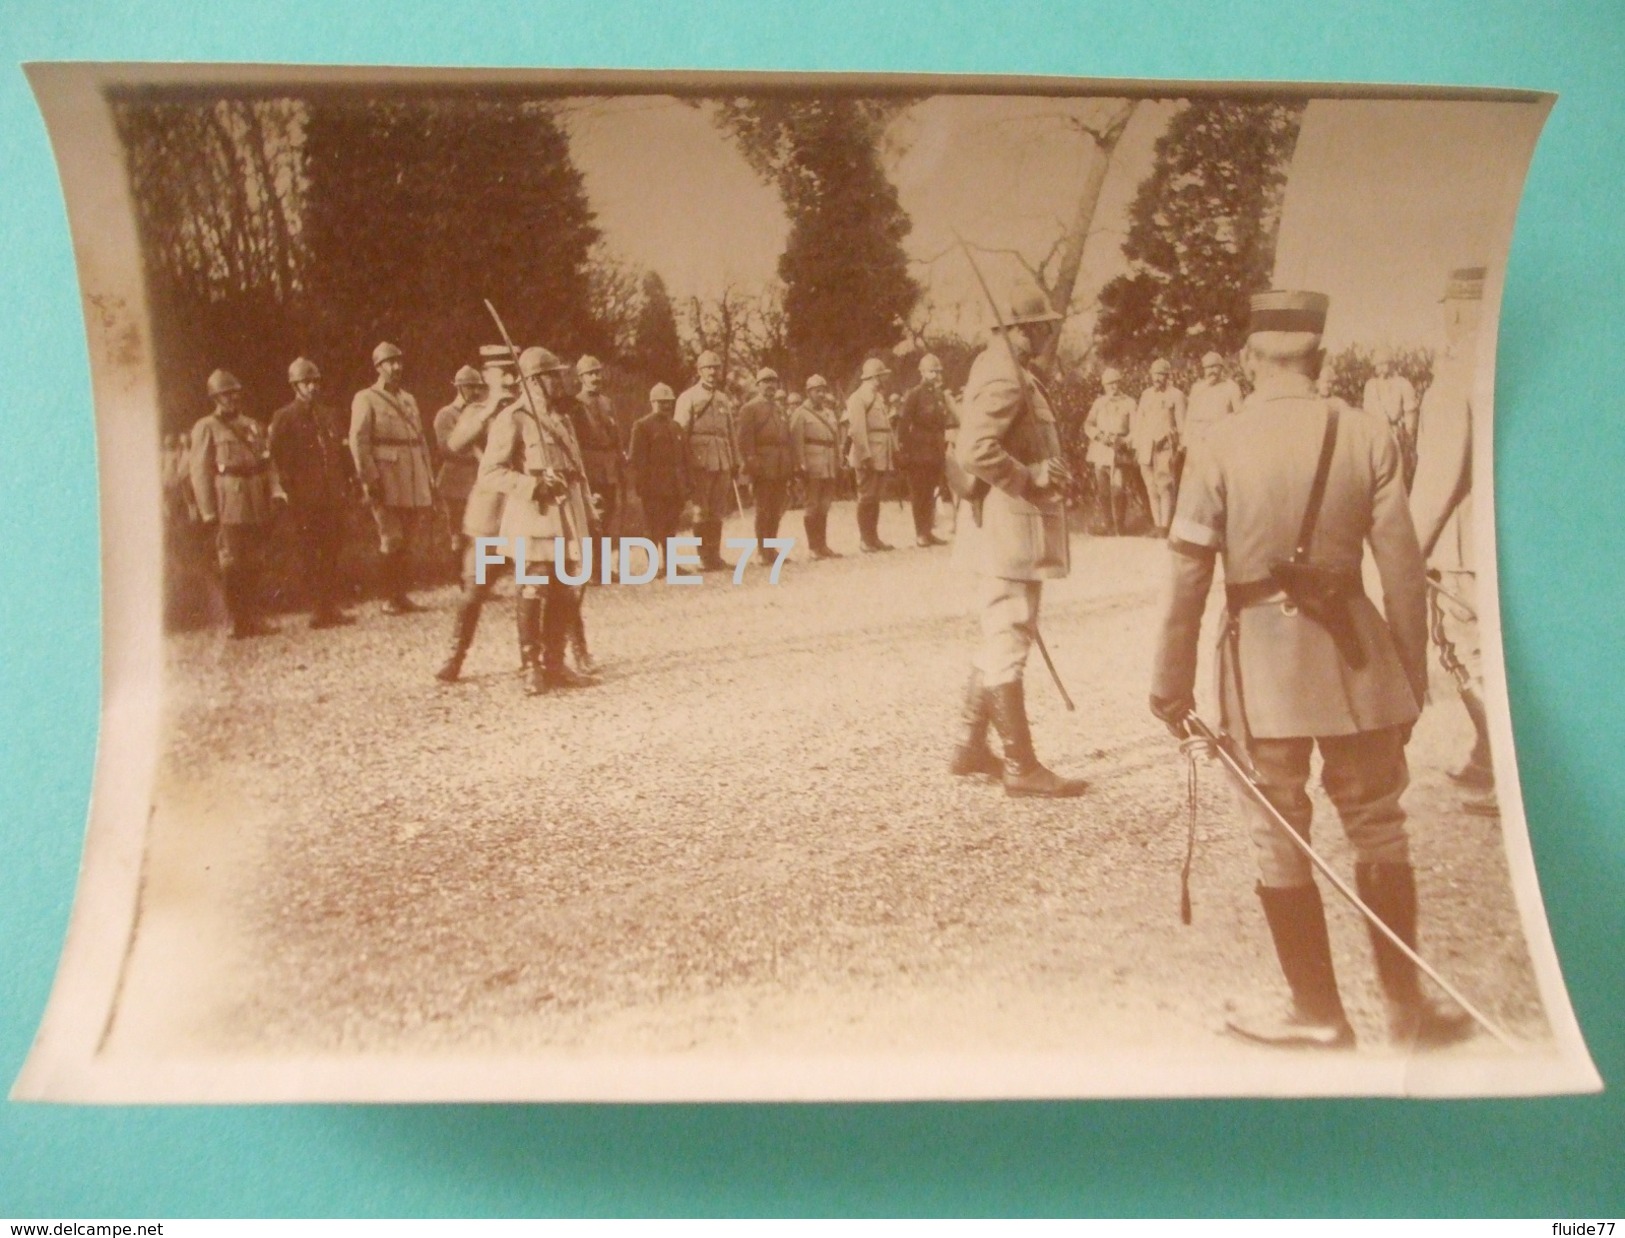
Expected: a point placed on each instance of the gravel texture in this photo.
(743, 838)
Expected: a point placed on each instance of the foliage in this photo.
(420, 208)
(846, 280)
(1348, 370)
(1202, 230)
(657, 351)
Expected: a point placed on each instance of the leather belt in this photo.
(1266, 592)
(394, 442)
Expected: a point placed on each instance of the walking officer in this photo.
(659, 462)
(458, 469)
(314, 466)
(705, 415)
(868, 419)
(392, 459)
(1158, 420)
(1290, 491)
(1109, 453)
(1013, 538)
(235, 482)
(482, 509)
(922, 443)
(767, 452)
(814, 444)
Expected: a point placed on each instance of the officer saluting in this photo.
(1306, 660)
(1014, 539)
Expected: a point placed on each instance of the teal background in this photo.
(1561, 455)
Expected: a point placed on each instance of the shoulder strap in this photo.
(1317, 488)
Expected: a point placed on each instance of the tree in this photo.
(657, 351)
(421, 207)
(846, 280)
(1202, 231)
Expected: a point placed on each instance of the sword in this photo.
(1219, 745)
(566, 517)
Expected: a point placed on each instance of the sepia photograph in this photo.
(690, 586)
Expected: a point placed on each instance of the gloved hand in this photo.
(1171, 712)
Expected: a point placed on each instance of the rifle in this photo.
(566, 516)
(1220, 745)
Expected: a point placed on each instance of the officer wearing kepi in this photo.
(705, 415)
(1011, 474)
(659, 462)
(314, 465)
(235, 483)
(922, 438)
(482, 509)
(392, 458)
(814, 442)
(1290, 491)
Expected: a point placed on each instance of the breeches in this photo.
(399, 526)
(239, 547)
(713, 494)
(820, 494)
(1364, 775)
(770, 497)
(923, 483)
(1009, 617)
(1159, 486)
(320, 532)
(662, 513)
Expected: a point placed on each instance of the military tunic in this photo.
(315, 468)
(868, 421)
(392, 460)
(1016, 537)
(1154, 432)
(922, 429)
(768, 453)
(659, 468)
(1107, 427)
(599, 434)
(458, 469)
(814, 440)
(706, 418)
(1208, 404)
(234, 480)
(1283, 685)
(1394, 400)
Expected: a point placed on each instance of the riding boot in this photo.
(578, 644)
(1316, 1020)
(1414, 1020)
(972, 755)
(529, 613)
(562, 613)
(824, 549)
(466, 619)
(1023, 773)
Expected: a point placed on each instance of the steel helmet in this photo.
(1161, 366)
(222, 381)
(707, 358)
(589, 364)
(1031, 307)
(817, 382)
(767, 374)
(383, 353)
(1109, 375)
(930, 364)
(537, 360)
(303, 370)
(660, 393)
(874, 367)
(468, 376)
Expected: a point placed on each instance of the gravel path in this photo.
(742, 839)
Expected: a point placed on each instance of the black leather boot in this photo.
(1023, 773)
(466, 620)
(1414, 1020)
(1316, 1019)
(972, 755)
(529, 612)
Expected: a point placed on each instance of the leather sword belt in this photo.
(394, 442)
(243, 470)
(1268, 591)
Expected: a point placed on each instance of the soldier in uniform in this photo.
(1213, 397)
(392, 459)
(659, 462)
(1390, 395)
(532, 458)
(235, 483)
(767, 452)
(922, 442)
(870, 449)
(458, 469)
(705, 415)
(814, 446)
(592, 414)
(1441, 506)
(1159, 420)
(1013, 538)
(1107, 429)
(313, 464)
(1312, 664)
(482, 508)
